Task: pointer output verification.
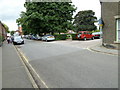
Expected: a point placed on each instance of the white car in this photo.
(48, 38)
(97, 34)
(18, 40)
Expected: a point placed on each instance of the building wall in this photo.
(108, 11)
(2, 30)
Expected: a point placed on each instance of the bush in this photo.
(1, 39)
(95, 31)
(74, 36)
(60, 37)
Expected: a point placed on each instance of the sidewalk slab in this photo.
(13, 71)
(102, 49)
(0, 68)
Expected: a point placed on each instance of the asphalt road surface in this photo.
(69, 66)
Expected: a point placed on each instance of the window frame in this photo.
(117, 29)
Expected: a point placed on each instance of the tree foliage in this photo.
(12, 32)
(46, 17)
(84, 20)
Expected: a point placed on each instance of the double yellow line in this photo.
(29, 68)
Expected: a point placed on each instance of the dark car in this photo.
(32, 37)
(97, 34)
(38, 37)
(85, 35)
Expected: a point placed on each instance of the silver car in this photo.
(48, 38)
(18, 40)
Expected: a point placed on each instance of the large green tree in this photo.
(47, 17)
(84, 21)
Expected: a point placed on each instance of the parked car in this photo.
(38, 37)
(48, 38)
(97, 34)
(27, 36)
(32, 37)
(18, 40)
(85, 35)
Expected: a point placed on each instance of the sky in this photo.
(10, 10)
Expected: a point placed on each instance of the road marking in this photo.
(28, 73)
(25, 58)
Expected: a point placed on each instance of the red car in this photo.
(85, 35)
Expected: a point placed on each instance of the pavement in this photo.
(102, 49)
(13, 71)
(0, 68)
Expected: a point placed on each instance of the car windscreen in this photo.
(18, 38)
(97, 33)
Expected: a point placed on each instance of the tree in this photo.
(47, 17)
(84, 21)
(12, 32)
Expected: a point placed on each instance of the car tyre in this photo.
(92, 38)
(46, 40)
(99, 37)
(85, 39)
(14, 43)
(23, 42)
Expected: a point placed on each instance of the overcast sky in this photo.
(10, 10)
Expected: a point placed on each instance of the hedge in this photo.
(95, 31)
(60, 37)
(1, 39)
(74, 36)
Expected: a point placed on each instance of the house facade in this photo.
(110, 14)
(3, 33)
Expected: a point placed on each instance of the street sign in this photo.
(100, 22)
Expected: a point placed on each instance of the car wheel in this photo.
(99, 37)
(84, 38)
(46, 40)
(23, 42)
(92, 38)
(14, 43)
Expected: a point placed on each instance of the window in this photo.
(118, 29)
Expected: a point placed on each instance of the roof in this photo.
(109, 0)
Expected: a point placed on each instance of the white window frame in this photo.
(117, 29)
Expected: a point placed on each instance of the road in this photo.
(63, 65)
